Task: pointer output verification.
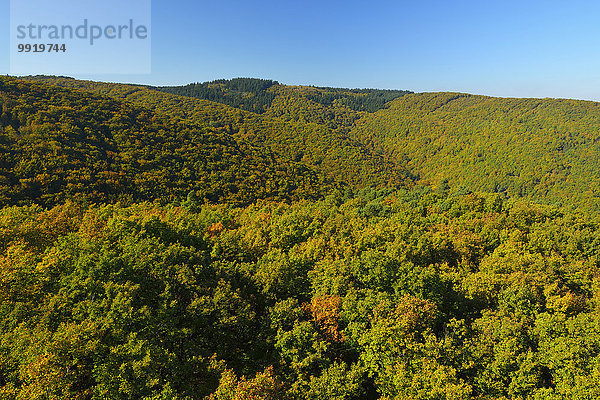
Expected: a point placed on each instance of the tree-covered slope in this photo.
(296, 126)
(245, 93)
(545, 149)
(257, 95)
(296, 285)
(57, 144)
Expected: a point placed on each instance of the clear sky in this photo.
(501, 48)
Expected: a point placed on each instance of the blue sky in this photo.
(501, 48)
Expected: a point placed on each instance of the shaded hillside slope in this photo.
(57, 144)
(295, 126)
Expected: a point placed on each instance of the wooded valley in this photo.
(246, 239)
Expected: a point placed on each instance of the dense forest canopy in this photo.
(308, 244)
(395, 295)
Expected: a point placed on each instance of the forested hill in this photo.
(57, 144)
(257, 95)
(159, 246)
(295, 127)
(547, 150)
(247, 94)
